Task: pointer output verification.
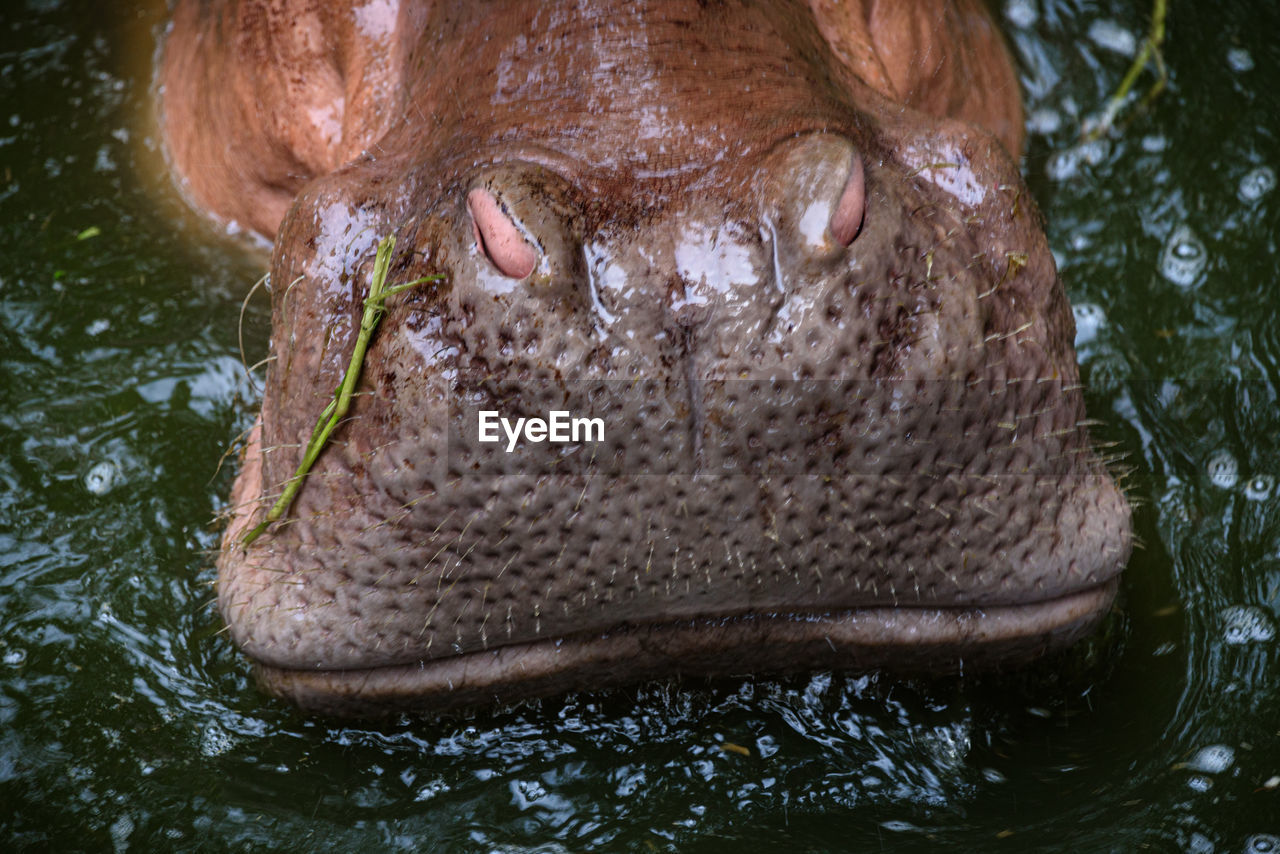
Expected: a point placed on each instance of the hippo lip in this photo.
(932, 639)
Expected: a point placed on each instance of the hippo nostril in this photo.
(846, 221)
(497, 234)
(814, 195)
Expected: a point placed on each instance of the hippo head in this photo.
(822, 333)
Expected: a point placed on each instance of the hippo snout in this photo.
(744, 350)
(837, 428)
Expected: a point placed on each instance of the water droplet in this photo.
(1240, 59)
(1243, 624)
(1184, 257)
(15, 657)
(98, 327)
(102, 478)
(1090, 318)
(1259, 487)
(992, 775)
(1256, 184)
(1224, 471)
(1262, 843)
(1021, 13)
(1213, 759)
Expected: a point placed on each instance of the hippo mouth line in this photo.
(932, 639)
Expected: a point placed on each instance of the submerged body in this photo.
(781, 252)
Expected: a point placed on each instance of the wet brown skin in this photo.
(781, 250)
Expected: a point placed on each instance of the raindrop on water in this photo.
(1256, 184)
(1262, 843)
(1240, 59)
(1184, 257)
(1090, 318)
(1224, 471)
(1213, 759)
(102, 478)
(1259, 487)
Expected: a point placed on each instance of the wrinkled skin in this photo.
(782, 250)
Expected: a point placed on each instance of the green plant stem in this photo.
(337, 408)
(1150, 51)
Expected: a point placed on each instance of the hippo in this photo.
(779, 253)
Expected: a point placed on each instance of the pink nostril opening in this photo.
(499, 237)
(846, 221)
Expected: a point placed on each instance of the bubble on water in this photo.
(1184, 257)
(1044, 121)
(1090, 319)
(1240, 59)
(1243, 624)
(1213, 759)
(1262, 843)
(1199, 783)
(215, 741)
(1021, 13)
(1256, 184)
(1259, 487)
(1224, 471)
(102, 478)
(14, 657)
(1106, 33)
(98, 326)
(431, 789)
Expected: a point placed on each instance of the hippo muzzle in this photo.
(821, 336)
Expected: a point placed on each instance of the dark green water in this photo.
(128, 723)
